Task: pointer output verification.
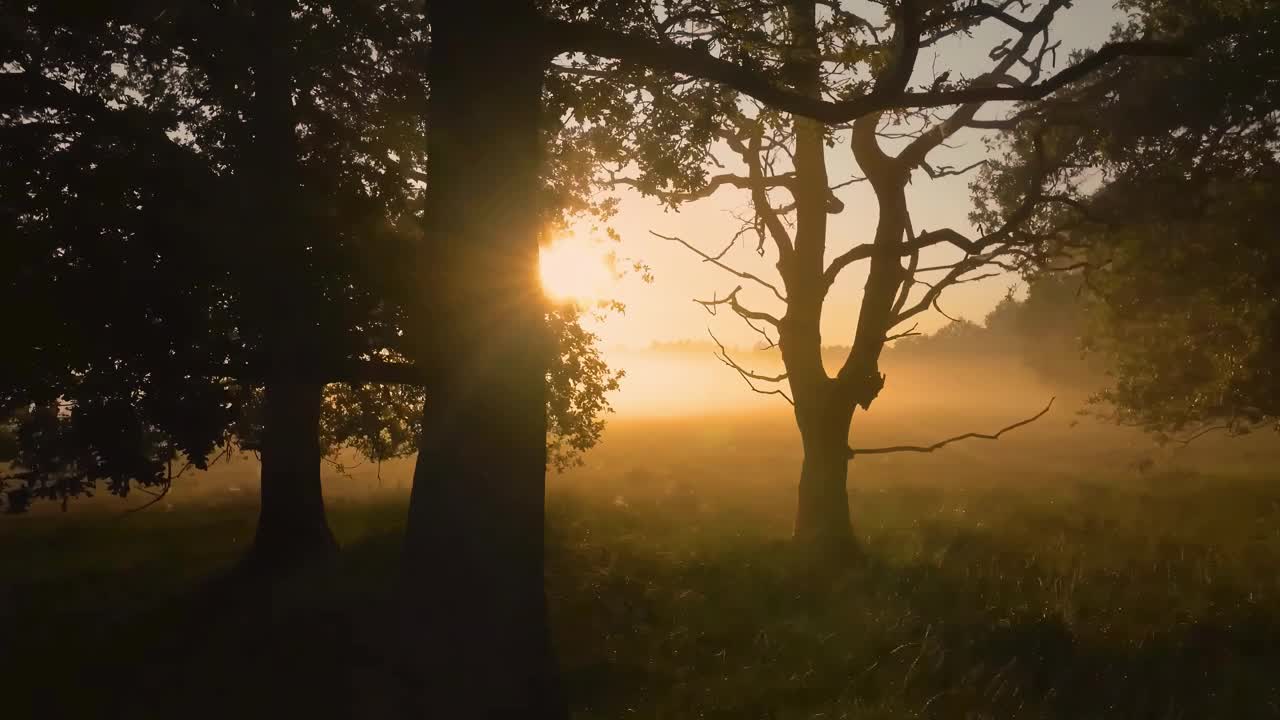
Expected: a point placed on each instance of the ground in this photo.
(1057, 593)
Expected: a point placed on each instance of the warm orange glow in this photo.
(574, 269)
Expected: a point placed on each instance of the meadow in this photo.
(1068, 572)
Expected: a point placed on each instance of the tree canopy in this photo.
(1167, 172)
(139, 283)
(798, 69)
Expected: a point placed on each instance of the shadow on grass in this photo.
(229, 645)
(970, 627)
(687, 614)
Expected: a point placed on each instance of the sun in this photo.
(575, 270)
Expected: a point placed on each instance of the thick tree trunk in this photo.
(823, 410)
(478, 635)
(292, 530)
(822, 513)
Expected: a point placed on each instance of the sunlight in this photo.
(575, 269)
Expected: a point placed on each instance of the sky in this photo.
(663, 311)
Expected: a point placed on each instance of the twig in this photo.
(943, 443)
(747, 375)
(732, 301)
(168, 482)
(947, 170)
(158, 497)
(905, 334)
(716, 261)
(938, 308)
(1202, 433)
(341, 468)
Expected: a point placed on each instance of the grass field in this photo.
(999, 583)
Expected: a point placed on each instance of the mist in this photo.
(580, 360)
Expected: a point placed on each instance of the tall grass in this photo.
(1096, 596)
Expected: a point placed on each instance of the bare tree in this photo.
(786, 155)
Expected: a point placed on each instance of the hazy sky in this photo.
(664, 311)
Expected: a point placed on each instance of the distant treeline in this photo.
(1047, 328)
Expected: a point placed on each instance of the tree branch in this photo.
(948, 171)
(943, 443)
(716, 261)
(33, 90)
(667, 56)
(747, 375)
(915, 153)
(750, 153)
(352, 372)
(732, 301)
(713, 184)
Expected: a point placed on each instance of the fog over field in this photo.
(685, 422)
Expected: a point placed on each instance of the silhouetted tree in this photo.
(168, 247)
(475, 319)
(482, 456)
(1169, 171)
(817, 56)
(200, 243)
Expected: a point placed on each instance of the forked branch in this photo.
(749, 376)
(732, 301)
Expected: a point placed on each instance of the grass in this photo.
(1157, 601)
(1000, 584)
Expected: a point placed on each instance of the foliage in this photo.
(1170, 171)
(136, 276)
(1046, 330)
(383, 422)
(137, 273)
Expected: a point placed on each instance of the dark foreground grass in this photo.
(1149, 598)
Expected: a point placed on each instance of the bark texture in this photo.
(823, 405)
(822, 511)
(292, 529)
(478, 635)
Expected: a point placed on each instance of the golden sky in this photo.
(664, 311)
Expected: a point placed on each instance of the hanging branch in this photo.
(747, 375)
(714, 260)
(170, 476)
(943, 443)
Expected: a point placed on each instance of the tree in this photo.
(475, 323)
(486, 76)
(1047, 329)
(1171, 170)
(160, 304)
(382, 421)
(786, 155)
(187, 136)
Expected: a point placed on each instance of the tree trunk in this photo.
(292, 529)
(822, 513)
(478, 635)
(823, 410)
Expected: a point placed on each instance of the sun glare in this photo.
(574, 269)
